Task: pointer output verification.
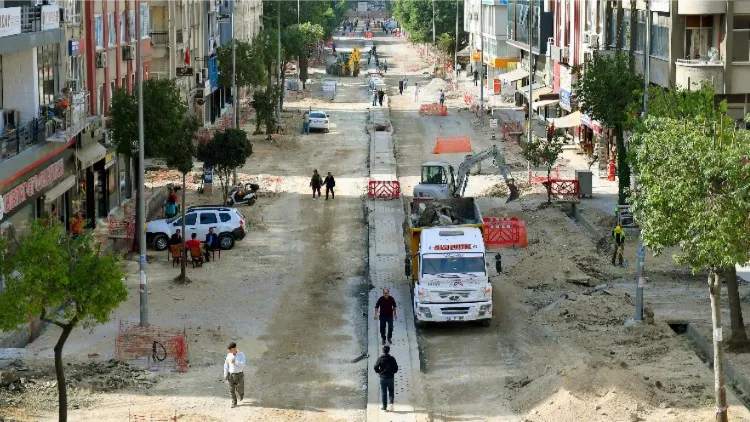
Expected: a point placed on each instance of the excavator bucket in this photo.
(514, 194)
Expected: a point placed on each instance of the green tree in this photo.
(416, 17)
(694, 193)
(610, 93)
(51, 270)
(163, 113)
(180, 158)
(445, 43)
(298, 41)
(226, 151)
(544, 152)
(264, 103)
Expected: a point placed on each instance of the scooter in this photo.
(240, 195)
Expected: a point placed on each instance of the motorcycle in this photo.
(243, 195)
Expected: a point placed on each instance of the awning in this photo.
(466, 52)
(571, 120)
(60, 189)
(545, 103)
(514, 75)
(90, 154)
(538, 89)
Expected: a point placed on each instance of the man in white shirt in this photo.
(234, 367)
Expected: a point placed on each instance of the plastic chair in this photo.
(176, 254)
(196, 256)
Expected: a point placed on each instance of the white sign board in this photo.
(10, 21)
(50, 17)
(493, 123)
(362, 6)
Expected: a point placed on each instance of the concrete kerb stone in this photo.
(706, 347)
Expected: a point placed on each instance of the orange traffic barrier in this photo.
(433, 110)
(452, 144)
(505, 232)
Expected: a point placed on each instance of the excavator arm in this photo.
(462, 177)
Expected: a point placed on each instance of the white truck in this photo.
(448, 267)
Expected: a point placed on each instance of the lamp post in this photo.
(455, 43)
(141, 223)
(278, 58)
(481, 61)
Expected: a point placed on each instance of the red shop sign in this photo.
(32, 186)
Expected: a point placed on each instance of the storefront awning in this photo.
(90, 154)
(514, 75)
(60, 189)
(538, 90)
(466, 52)
(544, 103)
(571, 120)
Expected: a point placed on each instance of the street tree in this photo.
(298, 41)
(445, 45)
(416, 17)
(50, 271)
(163, 113)
(544, 151)
(610, 93)
(264, 103)
(693, 193)
(180, 158)
(226, 151)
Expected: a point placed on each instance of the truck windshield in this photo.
(440, 264)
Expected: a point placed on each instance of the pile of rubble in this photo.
(434, 213)
(21, 383)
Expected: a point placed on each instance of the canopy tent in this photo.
(514, 75)
(571, 120)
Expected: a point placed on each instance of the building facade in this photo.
(488, 27)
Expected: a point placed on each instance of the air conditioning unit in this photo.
(594, 40)
(128, 52)
(565, 54)
(586, 38)
(101, 59)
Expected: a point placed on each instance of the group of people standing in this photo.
(316, 182)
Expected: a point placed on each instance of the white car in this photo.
(319, 120)
(228, 223)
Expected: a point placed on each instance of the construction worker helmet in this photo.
(618, 229)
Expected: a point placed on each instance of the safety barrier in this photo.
(565, 188)
(153, 417)
(433, 110)
(413, 67)
(151, 346)
(368, 35)
(512, 129)
(543, 179)
(468, 99)
(384, 189)
(504, 232)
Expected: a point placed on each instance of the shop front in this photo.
(92, 183)
(594, 134)
(46, 191)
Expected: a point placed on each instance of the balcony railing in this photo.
(18, 139)
(159, 37)
(31, 19)
(179, 36)
(692, 74)
(67, 116)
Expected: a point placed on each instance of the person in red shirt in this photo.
(76, 226)
(195, 243)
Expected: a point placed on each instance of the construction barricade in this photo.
(452, 145)
(368, 35)
(384, 189)
(433, 110)
(152, 347)
(468, 99)
(505, 232)
(565, 188)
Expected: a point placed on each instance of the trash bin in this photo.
(585, 187)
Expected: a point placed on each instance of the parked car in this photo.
(228, 223)
(319, 120)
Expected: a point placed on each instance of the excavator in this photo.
(438, 180)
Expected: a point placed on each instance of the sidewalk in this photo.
(386, 258)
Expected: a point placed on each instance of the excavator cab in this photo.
(437, 181)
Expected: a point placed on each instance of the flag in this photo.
(187, 57)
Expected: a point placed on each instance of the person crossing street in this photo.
(234, 367)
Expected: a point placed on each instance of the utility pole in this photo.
(235, 102)
(433, 22)
(141, 223)
(530, 131)
(481, 61)
(455, 49)
(297, 12)
(278, 57)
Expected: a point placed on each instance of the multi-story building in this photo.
(247, 19)
(492, 33)
(42, 117)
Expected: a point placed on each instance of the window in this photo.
(100, 99)
(111, 91)
(98, 31)
(75, 73)
(588, 19)
(145, 17)
(190, 219)
(440, 264)
(433, 175)
(640, 30)
(132, 25)
(698, 36)
(73, 9)
(47, 62)
(111, 36)
(123, 40)
(208, 218)
(224, 217)
(659, 35)
(741, 43)
(626, 29)
(612, 32)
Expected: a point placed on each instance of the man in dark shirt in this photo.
(211, 243)
(176, 238)
(386, 307)
(386, 366)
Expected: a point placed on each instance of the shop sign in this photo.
(566, 87)
(109, 159)
(10, 21)
(50, 17)
(34, 185)
(591, 124)
(208, 174)
(476, 56)
(74, 48)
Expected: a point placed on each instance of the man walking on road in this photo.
(401, 86)
(315, 183)
(374, 97)
(386, 366)
(416, 92)
(442, 97)
(234, 367)
(330, 183)
(381, 94)
(476, 77)
(386, 307)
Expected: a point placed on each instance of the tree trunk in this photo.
(62, 390)
(739, 336)
(184, 234)
(714, 290)
(631, 43)
(138, 231)
(623, 168)
(549, 184)
(225, 184)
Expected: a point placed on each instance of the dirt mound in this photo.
(501, 189)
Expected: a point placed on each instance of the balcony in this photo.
(67, 117)
(29, 26)
(17, 139)
(692, 74)
(178, 36)
(159, 38)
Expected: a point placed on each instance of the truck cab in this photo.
(437, 182)
(452, 282)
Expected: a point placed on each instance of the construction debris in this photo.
(435, 213)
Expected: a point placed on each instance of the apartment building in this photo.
(247, 19)
(490, 25)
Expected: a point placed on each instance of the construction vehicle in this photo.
(347, 63)
(447, 263)
(438, 180)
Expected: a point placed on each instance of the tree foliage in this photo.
(264, 103)
(226, 151)
(416, 17)
(544, 151)
(51, 270)
(610, 93)
(249, 69)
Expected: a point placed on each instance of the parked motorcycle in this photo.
(243, 195)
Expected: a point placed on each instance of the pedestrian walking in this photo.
(374, 97)
(306, 123)
(442, 97)
(234, 367)
(401, 86)
(385, 312)
(386, 367)
(416, 92)
(458, 69)
(330, 183)
(315, 183)
(476, 77)
(406, 82)
(381, 94)
(385, 66)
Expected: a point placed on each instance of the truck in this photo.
(447, 262)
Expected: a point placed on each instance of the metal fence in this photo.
(22, 138)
